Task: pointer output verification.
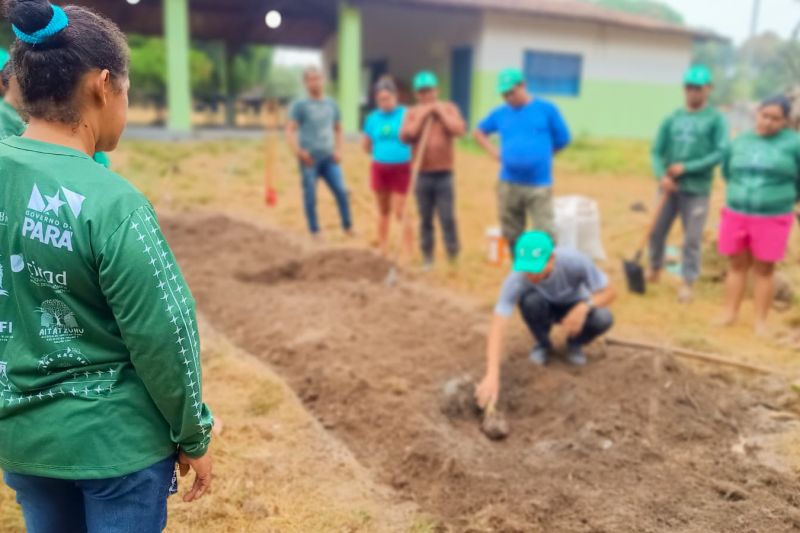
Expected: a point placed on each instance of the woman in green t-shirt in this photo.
(100, 374)
(762, 172)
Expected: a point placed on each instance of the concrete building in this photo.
(613, 74)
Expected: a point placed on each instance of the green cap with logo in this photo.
(698, 75)
(4, 57)
(532, 252)
(425, 80)
(508, 79)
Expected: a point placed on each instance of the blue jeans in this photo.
(136, 503)
(331, 173)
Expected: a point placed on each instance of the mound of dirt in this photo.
(629, 443)
(324, 266)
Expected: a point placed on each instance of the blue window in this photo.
(553, 73)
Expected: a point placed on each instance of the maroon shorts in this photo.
(391, 178)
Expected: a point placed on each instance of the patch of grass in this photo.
(10, 516)
(268, 397)
(607, 156)
(424, 524)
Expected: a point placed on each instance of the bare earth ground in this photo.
(261, 483)
(632, 443)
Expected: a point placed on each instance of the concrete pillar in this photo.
(228, 56)
(349, 82)
(179, 91)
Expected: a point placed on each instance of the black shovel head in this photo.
(634, 276)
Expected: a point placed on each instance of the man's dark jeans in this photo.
(540, 315)
(435, 196)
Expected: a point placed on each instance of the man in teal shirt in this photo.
(689, 144)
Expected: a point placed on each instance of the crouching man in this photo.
(551, 286)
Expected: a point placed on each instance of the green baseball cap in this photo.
(508, 79)
(425, 80)
(532, 252)
(4, 57)
(698, 75)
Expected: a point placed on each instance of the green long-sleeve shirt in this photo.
(696, 139)
(763, 173)
(10, 121)
(99, 353)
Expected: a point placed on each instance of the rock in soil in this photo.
(495, 426)
(457, 399)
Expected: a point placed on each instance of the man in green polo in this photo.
(10, 121)
(690, 143)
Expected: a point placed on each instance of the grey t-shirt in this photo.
(316, 120)
(574, 278)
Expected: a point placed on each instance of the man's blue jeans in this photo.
(331, 173)
(136, 503)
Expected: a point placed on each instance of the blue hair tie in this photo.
(57, 23)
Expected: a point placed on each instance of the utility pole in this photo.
(754, 18)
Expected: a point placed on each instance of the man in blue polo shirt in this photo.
(531, 131)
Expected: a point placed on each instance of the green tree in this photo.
(651, 8)
(149, 69)
(251, 69)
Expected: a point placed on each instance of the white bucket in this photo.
(578, 225)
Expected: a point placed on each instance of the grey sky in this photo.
(732, 17)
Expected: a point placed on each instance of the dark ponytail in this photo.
(53, 51)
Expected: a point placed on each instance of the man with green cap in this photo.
(434, 189)
(531, 131)
(10, 121)
(551, 286)
(690, 143)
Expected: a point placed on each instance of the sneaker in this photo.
(575, 355)
(540, 355)
(427, 265)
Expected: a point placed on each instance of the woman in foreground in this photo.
(100, 378)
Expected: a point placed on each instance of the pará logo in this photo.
(3, 218)
(43, 217)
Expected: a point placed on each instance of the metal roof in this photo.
(562, 9)
(310, 22)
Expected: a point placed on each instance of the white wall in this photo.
(414, 39)
(609, 53)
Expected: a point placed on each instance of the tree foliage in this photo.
(651, 8)
(762, 66)
(148, 69)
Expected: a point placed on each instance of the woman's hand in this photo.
(202, 480)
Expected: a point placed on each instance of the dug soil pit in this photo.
(631, 442)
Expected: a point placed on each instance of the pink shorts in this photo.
(764, 236)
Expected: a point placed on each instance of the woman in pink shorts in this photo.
(391, 161)
(762, 171)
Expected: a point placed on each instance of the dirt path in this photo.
(630, 443)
